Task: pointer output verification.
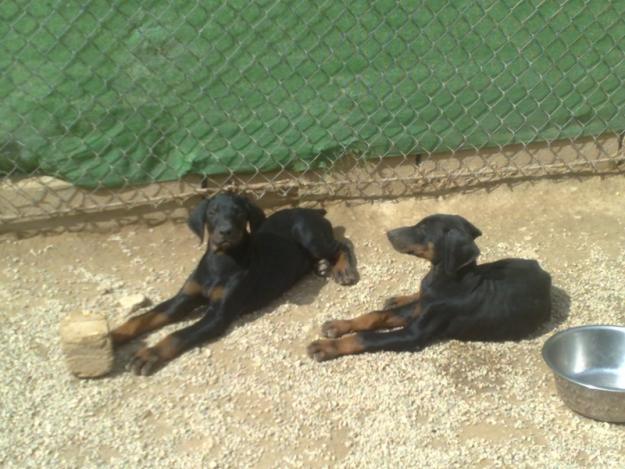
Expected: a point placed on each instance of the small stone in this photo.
(86, 344)
(132, 303)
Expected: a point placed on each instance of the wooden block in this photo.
(86, 344)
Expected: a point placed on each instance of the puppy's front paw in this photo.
(334, 329)
(145, 362)
(322, 350)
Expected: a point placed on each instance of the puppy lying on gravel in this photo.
(504, 300)
(240, 272)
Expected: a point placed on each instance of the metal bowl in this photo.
(588, 363)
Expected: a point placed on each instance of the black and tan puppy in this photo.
(458, 299)
(240, 272)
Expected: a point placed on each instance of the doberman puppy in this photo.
(458, 299)
(240, 272)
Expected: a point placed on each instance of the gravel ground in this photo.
(253, 398)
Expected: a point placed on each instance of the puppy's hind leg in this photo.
(317, 238)
(344, 271)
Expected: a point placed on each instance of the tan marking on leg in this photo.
(168, 348)
(343, 272)
(342, 262)
(348, 345)
(138, 325)
(336, 328)
(216, 293)
(192, 288)
(375, 320)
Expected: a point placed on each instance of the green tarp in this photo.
(106, 93)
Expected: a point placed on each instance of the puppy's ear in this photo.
(470, 228)
(459, 249)
(197, 219)
(255, 215)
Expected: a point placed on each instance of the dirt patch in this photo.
(253, 398)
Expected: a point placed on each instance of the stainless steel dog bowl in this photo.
(588, 363)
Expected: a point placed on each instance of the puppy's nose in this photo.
(225, 231)
(391, 234)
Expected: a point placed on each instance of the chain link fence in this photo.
(114, 104)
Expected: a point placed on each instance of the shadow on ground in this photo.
(560, 309)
